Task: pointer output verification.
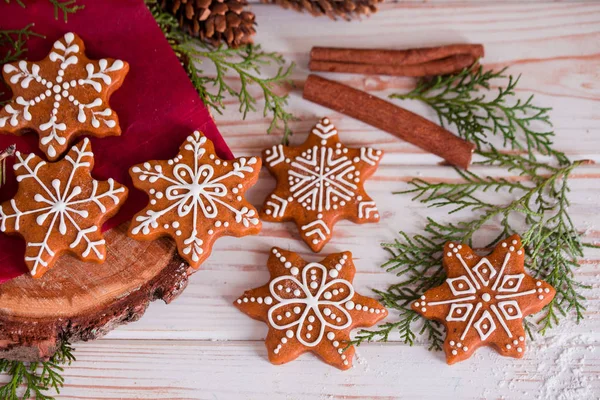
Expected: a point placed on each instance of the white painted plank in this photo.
(562, 367)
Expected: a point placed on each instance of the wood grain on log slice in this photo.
(83, 301)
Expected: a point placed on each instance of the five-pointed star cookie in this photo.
(319, 183)
(310, 307)
(60, 208)
(484, 300)
(195, 198)
(62, 96)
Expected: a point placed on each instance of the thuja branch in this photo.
(13, 43)
(405, 329)
(460, 101)
(552, 242)
(35, 379)
(246, 63)
(66, 7)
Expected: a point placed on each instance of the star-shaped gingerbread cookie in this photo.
(62, 96)
(60, 208)
(484, 300)
(310, 307)
(195, 198)
(319, 183)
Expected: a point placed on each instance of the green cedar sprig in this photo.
(540, 203)
(66, 7)
(35, 379)
(13, 42)
(246, 62)
(465, 101)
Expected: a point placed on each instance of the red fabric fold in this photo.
(157, 105)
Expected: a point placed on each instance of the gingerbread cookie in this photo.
(60, 208)
(310, 307)
(484, 300)
(319, 183)
(64, 95)
(195, 198)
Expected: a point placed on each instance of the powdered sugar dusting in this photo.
(559, 366)
(564, 374)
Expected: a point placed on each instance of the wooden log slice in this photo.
(83, 301)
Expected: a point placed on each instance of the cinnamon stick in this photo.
(394, 57)
(444, 66)
(390, 118)
(411, 62)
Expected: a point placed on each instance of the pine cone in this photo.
(346, 9)
(214, 21)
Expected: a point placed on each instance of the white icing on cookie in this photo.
(195, 192)
(480, 285)
(61, 204)
(322, 179)
(61, 93)
(317, 303)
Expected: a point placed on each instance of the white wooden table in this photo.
(202, 347)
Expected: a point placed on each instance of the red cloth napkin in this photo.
(157, 105)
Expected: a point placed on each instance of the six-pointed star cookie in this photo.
(195, 198)
(62, 96)
(310, 307)
(60, 208)
(319, 183)
(484, 300)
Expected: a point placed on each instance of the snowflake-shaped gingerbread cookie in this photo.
(310, 307)
(62, 96)
(60, 208)
(195, 198)
(484, 299)
(319, 183)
